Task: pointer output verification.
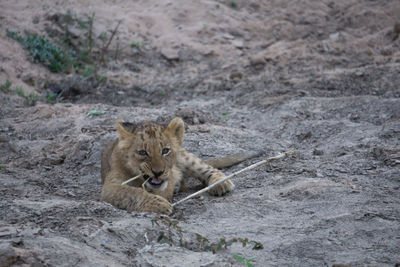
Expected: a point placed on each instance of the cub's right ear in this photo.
(125, 136)
(122, 131)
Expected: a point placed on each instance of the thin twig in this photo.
(105, 46)
(131, 179)
(143, 185)
(255, 165)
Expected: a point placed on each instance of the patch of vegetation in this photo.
(245, 261)
(51, 98)
(225, 116)
(2, 168)
(95, 112)
(76, 49)
(201, 242)
(88, 71)
(42, 50)
(29, 100)
(137, 44)
(19, 91)
(6, 87)
(233, 4)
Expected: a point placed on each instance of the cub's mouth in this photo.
(156, 183)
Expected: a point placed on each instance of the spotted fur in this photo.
(156, 152)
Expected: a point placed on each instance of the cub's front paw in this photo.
(157, 204)
(222, 188)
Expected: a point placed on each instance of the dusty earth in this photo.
(317, 77)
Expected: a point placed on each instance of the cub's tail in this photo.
(228, 161)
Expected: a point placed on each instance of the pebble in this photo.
(169, 53)
(334, 36)
(228, 36)
(359, 73)
(238, 44)
(257, 60)
(236, 75)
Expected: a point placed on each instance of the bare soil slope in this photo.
(318, 77)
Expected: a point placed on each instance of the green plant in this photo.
(30, 100)
(233, 4)
(50, 98)
(73, 49)
(101, 78)
(137, 44)
(2, 168)
(222, 243)
(245, 261)
(95, 112)
(225, 116)
(5, 87)
(202, 243)
(88, 71)
(42, 50)
(19, 91)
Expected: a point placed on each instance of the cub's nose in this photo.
(157, 173)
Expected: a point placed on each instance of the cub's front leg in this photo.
(193, 166)
(134, 199)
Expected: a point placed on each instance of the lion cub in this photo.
(154, 152)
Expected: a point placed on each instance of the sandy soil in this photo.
(318, 77)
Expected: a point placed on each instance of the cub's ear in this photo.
(122, 128)
(177, 129)
(125, 134)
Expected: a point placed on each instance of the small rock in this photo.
(334, 36)
(196, 120)
(257, 60)
(191, 116)
(74, 31)
(55, 159)
(236, 75)
(203, 129)
(318, 152)
(228, 36)
(169, 53)
(238, 44)
(304, 136)
(359, 73)
(208, 52)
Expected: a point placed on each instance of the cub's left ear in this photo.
(177, 129)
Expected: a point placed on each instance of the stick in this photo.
(131, 179)
(255, 165)
(143, 185)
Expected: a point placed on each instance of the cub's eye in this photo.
(165, 151)
(142, 153)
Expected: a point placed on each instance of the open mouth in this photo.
(156, 182)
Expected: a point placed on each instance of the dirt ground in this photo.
(317, 77)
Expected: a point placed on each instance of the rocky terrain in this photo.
(317, 77)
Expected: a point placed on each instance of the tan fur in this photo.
(155, 152)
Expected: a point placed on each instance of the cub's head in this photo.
(151, 149)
